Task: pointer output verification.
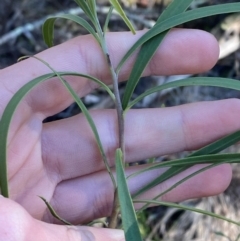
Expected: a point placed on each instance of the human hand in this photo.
(60, 160)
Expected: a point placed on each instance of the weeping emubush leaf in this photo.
(149, 48)
(120, 11)
(92, 125)
(177, 20)
(193, 160)
(183, 207)
(180, 182)
(199, 81)
(83, 5)
(129, 219)
(174, 8)
(4, 128)
(180, 165)
(86, 114)
(105, 27)
(94, 79)
(213, 148)
(48, 27)
(53, 212)
(92, 6)
(10, 110)
(144, 56)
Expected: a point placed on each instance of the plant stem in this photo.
(118, 103)
(115, 211)
(120, 117)
(121, 144)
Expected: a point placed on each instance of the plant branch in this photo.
(121, 144)
(118, 103)
(115, 211)
(120, 117)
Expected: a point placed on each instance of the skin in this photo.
(60, 160)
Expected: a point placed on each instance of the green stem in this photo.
(120, 117)
(115, 211)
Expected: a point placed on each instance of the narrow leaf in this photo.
(174, 8)
(83, 5)
(120, 11)
(180, 182)
(144, 56)
(194, 81)
(129, 219)
(92, 7)
(48, 27)
(4, 128)
(183, 207)
(149, 48)
(213, 148)
(105, 27)
(180, 165)
(53, 212)
(9, 112)
(92, 125)
(177, 20)
(87, 116)
(193, 160)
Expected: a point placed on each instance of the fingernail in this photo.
(115, 234)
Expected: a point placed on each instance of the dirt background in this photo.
(20, 34)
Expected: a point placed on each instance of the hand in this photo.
(60, 160)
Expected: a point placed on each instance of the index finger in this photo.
(181, 52)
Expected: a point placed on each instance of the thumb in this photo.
(17, 224)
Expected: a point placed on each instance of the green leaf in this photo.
(174, 8)
(177, 20)
(129, 219)
(48, 27)
(4, 128)
(194, 81)
(122, 14)
(87, 116)
(149, 48)
(180, 165)
(83, 5)
(144, 56)
(213, 148)
(92, 125)
(183, 207)
(53, 212)
(92, 6)
(9, 112)
(218, 145)
(180, 182)
(193, 160)
(105, 27)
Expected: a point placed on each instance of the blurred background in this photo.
(20, 34)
